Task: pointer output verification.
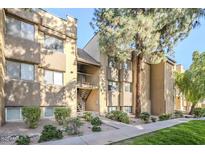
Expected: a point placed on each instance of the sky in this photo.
(183, 50)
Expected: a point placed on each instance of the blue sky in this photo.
(183, 50)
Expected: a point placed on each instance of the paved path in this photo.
(123, 131)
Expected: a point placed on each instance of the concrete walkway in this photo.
(123, 131)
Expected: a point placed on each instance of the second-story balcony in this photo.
(87, 81)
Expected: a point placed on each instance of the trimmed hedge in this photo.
(61, 114)
(199, 112)
(31, 116)
(87, 116)
(23, 140)
(145, 116)
(49, 133)
(118, 116)
(178, 114)
(165, 117)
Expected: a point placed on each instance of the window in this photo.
(127, 65)
(53, 77)
(13, 69)
(16, 70)
(113, 86)
(58, 78)
(53, 43)
(48, 77)
(112, 108)
(128, 87)
(111, 62)
(27, 72)
(13, 114)
(49, 112)
(127, 109)
(19, 28)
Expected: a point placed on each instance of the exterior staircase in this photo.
(83, 95)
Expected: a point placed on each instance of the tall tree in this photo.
(143, 32)
(191, 83)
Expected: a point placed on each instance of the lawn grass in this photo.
(190, 133)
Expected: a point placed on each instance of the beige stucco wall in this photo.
(157, 89)
(145, 88)
(70, 76)
(92, 48)
(126, 99)
(169, 89)
(21, 93)
(27, 15)
(53, 61)
(162, 88)
(2, 65)
(92, 103)
(22, 49)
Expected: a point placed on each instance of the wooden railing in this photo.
(87, 80)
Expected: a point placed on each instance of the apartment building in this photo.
(38, 64)
(117, 84)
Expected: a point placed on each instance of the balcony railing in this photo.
(87, 80)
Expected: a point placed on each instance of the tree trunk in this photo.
(192, 108)
(138, 86)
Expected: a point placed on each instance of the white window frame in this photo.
(52, 49)
(123, 109)
(111, 107)
(53, 72)
(20, 71)
(14, 120)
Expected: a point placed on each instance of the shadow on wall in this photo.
(19, 92)
(60, 96)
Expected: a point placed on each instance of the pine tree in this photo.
(143, 32)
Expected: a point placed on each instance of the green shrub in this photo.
(73, 125)
(96, 129)
(203, 112)
(164, 117)
(96, 121)
(198, 112)
(178, 114)
(87, 116)
(23, 140)
(61, 114)
(118, 116)
(49, 133)
(153, 119)
(31, 116)
(144, 116)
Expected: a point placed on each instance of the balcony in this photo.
(87, 81)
